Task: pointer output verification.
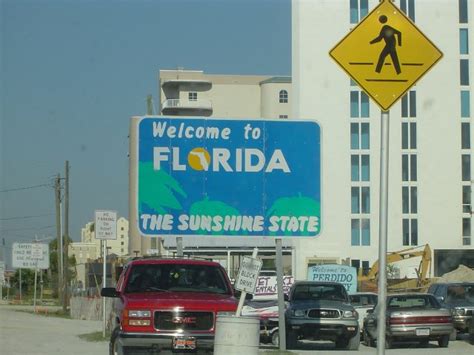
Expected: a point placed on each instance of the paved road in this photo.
(29, 334)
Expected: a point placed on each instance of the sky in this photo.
(73, 72)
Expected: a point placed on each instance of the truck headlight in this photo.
(350, 314)
(459, 311)
(299, 313)
(139, 314)
(139, 322)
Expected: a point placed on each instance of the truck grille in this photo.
(323, 313)
(190, 321)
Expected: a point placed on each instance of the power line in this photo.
(25, 229)
(26, 188)
(25, 217)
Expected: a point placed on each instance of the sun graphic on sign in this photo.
(199, 159)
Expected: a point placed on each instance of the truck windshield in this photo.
(176, 278)
(319, 292)
(460, 294)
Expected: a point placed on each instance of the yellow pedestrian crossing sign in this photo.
(386, 54)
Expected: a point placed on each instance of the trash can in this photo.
(236, 335)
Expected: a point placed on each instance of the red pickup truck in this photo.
(168, 304)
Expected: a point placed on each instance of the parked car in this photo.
(267, 312)
(168, 304)
(321, 311)
(362, 302)
(459, 297)
(414, 317)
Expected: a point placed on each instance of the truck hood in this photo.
(321, 304)
(185, 300)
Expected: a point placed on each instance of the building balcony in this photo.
(190, 84)
(178, 107)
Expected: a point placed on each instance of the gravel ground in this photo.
(26, 333)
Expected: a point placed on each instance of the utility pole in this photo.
(66, 238)
(57, 190)
(149, 105)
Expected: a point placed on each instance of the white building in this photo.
(430, 171)
(193, 93)
(118, 246)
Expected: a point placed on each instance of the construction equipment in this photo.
(369, 280)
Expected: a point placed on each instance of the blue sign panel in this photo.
(227, 177)
(344, 274)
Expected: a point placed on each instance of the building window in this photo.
(121, 228)
(360, 232)
(410, 231)
(283, 96)
(463, 41)
(409, 199)
(359, 104)
(465, 104)
(464, 70)
(360, 136)
(466, 231)
(408, 135)
(355, 200)
(360, 199)
(466, 167)
(410, 10)
(358, 10)
(283, 117)
(409, 172)
(360, 168)
(466, 199)
(465, 135)
(463, 11)
(409, 104)
(192, 96)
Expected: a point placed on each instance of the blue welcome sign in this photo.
(344, 274)
(228, 177)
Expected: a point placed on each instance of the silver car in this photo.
(413, 317)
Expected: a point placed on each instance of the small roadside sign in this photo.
(248, 274)
(30, 255)
(386, 54)
(106, 225)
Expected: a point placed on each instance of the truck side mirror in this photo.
(109, 292)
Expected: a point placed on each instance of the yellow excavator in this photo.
(369, 282)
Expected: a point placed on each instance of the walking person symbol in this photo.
(390, 36)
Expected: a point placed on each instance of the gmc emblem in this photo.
(183, 320)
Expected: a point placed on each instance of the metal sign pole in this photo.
(104, 283)
(179, 247)
(20, 284)
(281, 299)
(36, 283)
(383, 222)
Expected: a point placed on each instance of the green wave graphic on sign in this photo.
(297, 206)
(158, 190)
